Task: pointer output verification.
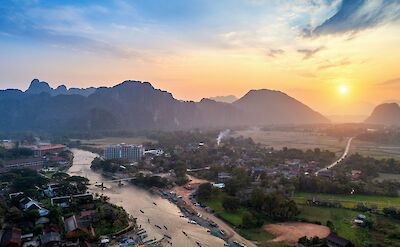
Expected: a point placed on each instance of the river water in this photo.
(134, 199)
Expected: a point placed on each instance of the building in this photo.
(224, 176)
(10, 237)
(74, 228)
(40, 150)
(51, 239)
(124, 151)
(31, 163)
(28, 204)
(336, 241)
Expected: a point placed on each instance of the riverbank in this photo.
(151, 211)
(229, 233)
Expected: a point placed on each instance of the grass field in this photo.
(233, 218)
(350, 201)
(100, 143)
(385, 231)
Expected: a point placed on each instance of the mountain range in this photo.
(135, 105)
(37, 87)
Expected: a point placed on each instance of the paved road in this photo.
(346, 151)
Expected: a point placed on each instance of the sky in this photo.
(337, 56)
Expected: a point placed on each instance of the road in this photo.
(346, 151)
(230, 233)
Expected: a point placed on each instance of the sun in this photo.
(343, 89)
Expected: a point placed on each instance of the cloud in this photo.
(61, 27)
(389, 83)
(353, 16)
(309, 53)
(329, 64)
(275, 52)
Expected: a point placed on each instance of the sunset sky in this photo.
(338, 57)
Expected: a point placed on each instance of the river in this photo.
(134, 199)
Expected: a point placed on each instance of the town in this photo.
(226, 185)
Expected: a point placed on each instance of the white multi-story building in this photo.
(123, 151)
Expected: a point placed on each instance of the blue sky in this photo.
(210, 45)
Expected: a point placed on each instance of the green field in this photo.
(385, 231)
(350, 201)
(233, 218)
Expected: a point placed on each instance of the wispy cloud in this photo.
(329, 64)
(309, 53)
(275, 52)
(353, 16)
(60, 26)
(389, 83)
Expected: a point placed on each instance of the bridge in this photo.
(115, 180)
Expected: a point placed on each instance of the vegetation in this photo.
(351, 201)
(384, 231)
(110, 218)
(15, 153)
(24, 180)
(149, 181)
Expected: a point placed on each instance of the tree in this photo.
(248, 220)
(230, 203)
(204, 191)
(257, 198)
(231, 187)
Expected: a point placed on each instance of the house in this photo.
(11, 237)
(74, 228)
(335, 241)
(42, 221)
(61, 201)
(50, 239)
(88, 215)
(28, 203)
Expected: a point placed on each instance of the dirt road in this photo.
(231, 234)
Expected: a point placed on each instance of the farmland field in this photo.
(310, 140)
(294, 139)
(375, 150)
(350, 201)
(388, 176)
